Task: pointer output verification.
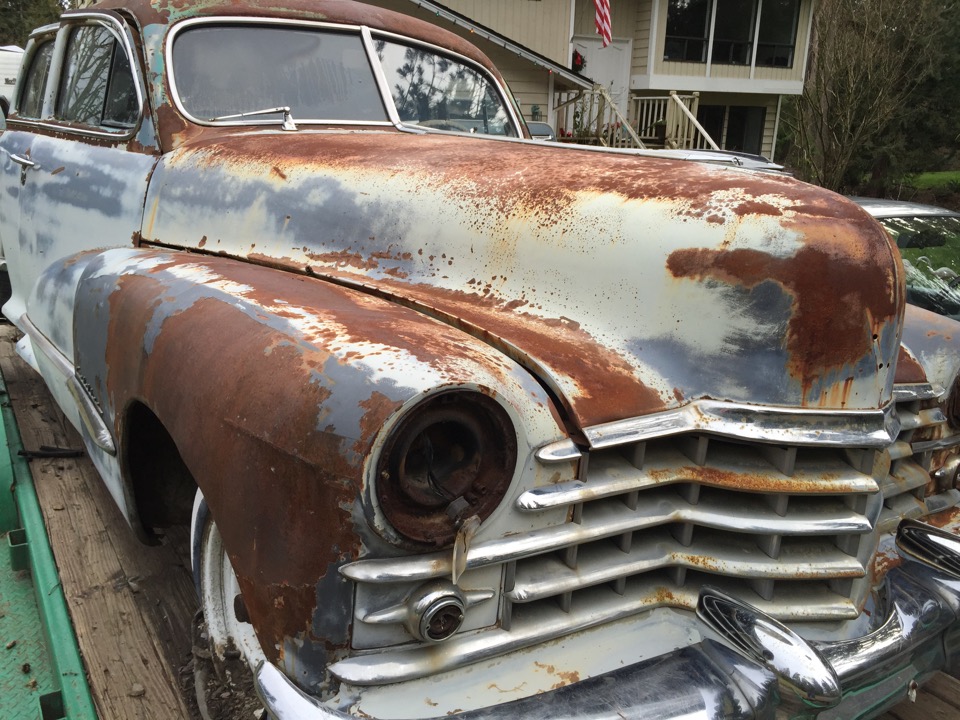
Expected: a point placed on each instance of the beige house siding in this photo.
(642, 38)
(529, 84)
(541, 25)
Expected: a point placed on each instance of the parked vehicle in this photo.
(540, 130)
(9, 66)
(929, 241)
(465, 424)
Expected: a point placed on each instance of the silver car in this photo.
(929, 241)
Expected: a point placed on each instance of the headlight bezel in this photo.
(449, 457)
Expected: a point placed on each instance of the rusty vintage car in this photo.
(465, 423)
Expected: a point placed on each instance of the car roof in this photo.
(881, 208)
(165, 12)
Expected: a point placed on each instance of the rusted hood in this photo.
(628, 285)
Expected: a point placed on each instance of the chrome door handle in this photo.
(25, 162)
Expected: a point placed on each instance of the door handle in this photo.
(25, 162)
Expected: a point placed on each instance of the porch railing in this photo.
(592, 117)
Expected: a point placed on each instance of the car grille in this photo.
(790, 529)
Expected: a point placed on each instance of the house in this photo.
(729, 62)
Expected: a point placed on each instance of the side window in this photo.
(35, 85)
(97, 86)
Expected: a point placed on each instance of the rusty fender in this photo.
(276, 389)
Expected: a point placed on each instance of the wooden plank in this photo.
(946, 688)
(131, 605)
(927, 707)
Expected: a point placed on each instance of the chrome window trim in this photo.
(758, 423)
(501, 90)
(120, 31)
(241, 20)
(37, 38)
(380, 76)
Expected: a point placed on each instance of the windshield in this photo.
(226, 70)
(930, 246)
(249, 73)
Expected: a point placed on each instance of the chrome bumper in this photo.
(751, 667)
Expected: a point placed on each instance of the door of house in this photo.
(609, 66)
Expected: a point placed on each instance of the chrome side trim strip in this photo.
(89, 414)
(40, 342)
(768, 424)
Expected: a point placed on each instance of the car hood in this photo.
(627, 285)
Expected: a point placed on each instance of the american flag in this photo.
(603, 20)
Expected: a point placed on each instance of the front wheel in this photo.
(234, 647)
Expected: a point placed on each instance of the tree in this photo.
(868, 60)
(19, 17)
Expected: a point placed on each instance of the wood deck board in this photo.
(131, 604)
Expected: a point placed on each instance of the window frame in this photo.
(753, 45)
(38, 41)
(121, 34)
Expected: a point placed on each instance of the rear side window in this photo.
(31, 102)
(97, 87)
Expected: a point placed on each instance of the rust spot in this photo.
(909, 370)
(58, 170)
(818, 338)
(278, 172)
(566, 677)
(203, 241)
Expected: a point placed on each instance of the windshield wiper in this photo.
(287, 123)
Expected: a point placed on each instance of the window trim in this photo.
(754, 43)
(116, 26)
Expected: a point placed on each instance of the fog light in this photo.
(436, 612)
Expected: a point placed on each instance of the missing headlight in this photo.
(450, 458)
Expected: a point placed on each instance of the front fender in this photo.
(275, 388)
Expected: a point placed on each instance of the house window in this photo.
(733, 32)
(687, 24)
(693, 26)
(735, 127)
(778, 33)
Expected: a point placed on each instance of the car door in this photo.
(78, 153)
(79, 171)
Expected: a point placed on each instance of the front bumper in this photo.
(751, 667)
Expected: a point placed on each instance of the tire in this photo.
(234, 648)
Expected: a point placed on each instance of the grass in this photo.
(948, 179)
